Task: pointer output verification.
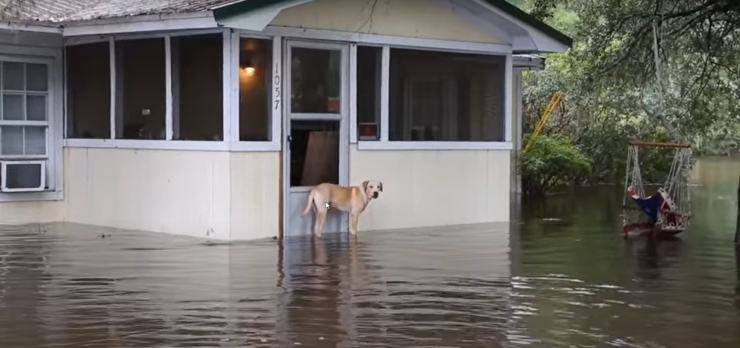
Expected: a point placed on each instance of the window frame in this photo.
(353, 121)
(384, 143)
(33, 123)
(276, 87)
(230, 90)
(54, 126)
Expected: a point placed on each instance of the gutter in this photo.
(38, 27)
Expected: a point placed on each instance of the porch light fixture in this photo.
(247, 66)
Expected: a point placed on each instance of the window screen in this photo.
(368, 92)
(315, 84)
(314, 152)
(440, 96)
(88, 91)
(197, 75)
(140, 89)
(255, 89)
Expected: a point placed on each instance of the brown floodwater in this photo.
(537, 282)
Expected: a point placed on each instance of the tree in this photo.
(619, 88)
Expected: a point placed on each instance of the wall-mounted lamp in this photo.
(247, 66)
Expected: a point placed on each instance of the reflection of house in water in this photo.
(320, 278)
(737, 269)
(73, 284)
(397, 288)
(70, 285)
(21, 258)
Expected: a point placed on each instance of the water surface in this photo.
(537, 283)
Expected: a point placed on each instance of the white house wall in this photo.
(428, 19)
(255, 194)
(179, 192)
(433, 188)
(17, 213)
(219, 195)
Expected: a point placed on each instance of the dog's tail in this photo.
(309, 202)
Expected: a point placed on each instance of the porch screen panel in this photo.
(314, 153)
(316, 82)
(442, 96)
(140, 89)
(368, 92)
(197, 87)
(255, 88)
(88, 91)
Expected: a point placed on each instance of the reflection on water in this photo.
(67, 285)
(572, 281)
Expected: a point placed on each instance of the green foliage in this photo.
(613, 92)
(551, 163)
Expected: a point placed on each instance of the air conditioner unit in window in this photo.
(22, 176)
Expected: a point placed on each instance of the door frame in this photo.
(287, 116)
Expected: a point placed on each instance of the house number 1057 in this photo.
(276, 88)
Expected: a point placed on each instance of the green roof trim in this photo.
(239, 7)
(244, 6)
(529, 19)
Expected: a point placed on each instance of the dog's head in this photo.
(372, 188)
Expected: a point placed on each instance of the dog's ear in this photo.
(364, 185)
(380, 186)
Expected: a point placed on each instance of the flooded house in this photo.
(213, 118)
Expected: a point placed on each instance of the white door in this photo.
(317, 142)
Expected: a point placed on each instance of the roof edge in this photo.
(241, 6)
(531, 20)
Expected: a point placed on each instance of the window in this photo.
(197, 87)
(88, 91)
(255, 87)
(140, 89)
(315, 80)
(24, 115)
(440, 96)
(368, 92)
(314, 152)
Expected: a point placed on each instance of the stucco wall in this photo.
(432, 188)
(429, 19)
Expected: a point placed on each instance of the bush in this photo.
(551, 163)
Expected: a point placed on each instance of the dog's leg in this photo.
(320, 219)
(317, 222)
(353, 219)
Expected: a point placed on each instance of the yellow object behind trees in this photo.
(551, 106)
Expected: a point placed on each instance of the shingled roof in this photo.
(52, 11)
(56, 11)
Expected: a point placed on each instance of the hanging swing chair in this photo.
(667, 211)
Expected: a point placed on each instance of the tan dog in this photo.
(353, 200)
